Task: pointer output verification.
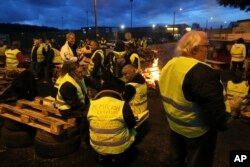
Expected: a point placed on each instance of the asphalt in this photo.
(151, 146)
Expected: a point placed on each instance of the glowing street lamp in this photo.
(211, 18)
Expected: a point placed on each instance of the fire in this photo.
(152, 74)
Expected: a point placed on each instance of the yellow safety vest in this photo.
(132, 59)
(2, 50)
(91, 63)
(108, 132)
(237, 52)
(57, 57)
(60, 103)
(183, 116)
(40, 56)
(240, 90)
(139, 103)
(11, 59)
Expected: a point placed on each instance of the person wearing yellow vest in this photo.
(95, 66)
(3, 48)
(132, 57)
(135, 93)
(37, 59)
(111, 125)
(71, 97)
(118, 59)
(237, 93)
(68, 50)
(193, 99)
(14, 57)
(238, 53)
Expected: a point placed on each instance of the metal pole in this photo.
(87, 13)
(173, 24)
(96, 27)
(131, 14)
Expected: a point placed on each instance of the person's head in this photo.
(71, 38)
(37, 42)
(73, 69)
(129, 71)
(240, 40)
(94, 45)
(194, 44)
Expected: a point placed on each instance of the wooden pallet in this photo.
(37, 115)
(4, 85)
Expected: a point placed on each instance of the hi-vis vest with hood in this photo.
(60, 103)
(183, 116)
(91, 63)
(11, 59)
(108, 131)
(40, 56)
(139, 103)
(240, 90)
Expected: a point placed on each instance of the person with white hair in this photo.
(68, 50)
(193, 99)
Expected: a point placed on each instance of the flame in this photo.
(152, 74)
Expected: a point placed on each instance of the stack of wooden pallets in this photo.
(39, 113)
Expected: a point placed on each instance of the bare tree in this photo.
(242, 4)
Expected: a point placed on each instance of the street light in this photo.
(131, 20)
(211, 18)
(174, 20)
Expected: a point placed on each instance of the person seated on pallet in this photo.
(71, 97)
(136, 92)
(14, 57)
(237, 93)
(111, 125)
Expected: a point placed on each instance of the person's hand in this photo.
(235, 104)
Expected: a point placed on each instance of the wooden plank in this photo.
(35, 119)
(42, 108)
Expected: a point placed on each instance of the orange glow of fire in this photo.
(152, 74)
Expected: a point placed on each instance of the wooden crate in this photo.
(37, 115)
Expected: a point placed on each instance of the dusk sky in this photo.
(74, 14)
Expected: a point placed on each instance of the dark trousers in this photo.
(237, 65)
(192, 152)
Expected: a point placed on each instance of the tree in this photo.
(242, 4)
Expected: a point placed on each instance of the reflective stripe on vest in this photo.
(183, 115)
(108, 131)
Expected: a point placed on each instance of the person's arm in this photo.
(202, 85)
(128, 116)
(129, 93)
